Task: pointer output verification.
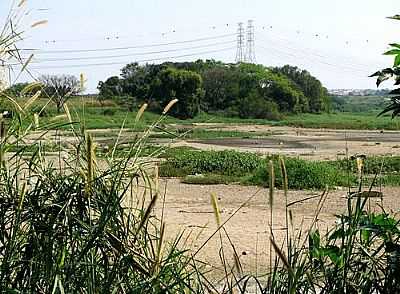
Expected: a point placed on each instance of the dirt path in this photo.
(188, 210)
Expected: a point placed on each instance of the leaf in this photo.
(395, 17)
(32, 100)
(30, 87)
(377, 74)
(392, 52)
(395, 45)
(397, 61)
(381, 79)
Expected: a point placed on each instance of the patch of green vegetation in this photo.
(303, 174)
(229, 163)
(372, 165)
(251, 169)
(361, 121)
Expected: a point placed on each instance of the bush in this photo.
(230, 163)
(303, 174)
(254, 106)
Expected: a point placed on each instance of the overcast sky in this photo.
(340, 42)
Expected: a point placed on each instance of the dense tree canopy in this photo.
(246, 90)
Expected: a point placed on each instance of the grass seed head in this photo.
(217, 213)
(140, 112)
(169, 105)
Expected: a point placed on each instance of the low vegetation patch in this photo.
(251, 169)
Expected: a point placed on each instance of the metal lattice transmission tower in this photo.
(240, 51)
(250, 44)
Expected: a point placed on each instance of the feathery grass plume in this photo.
(360, 165)
(140, 112)
(59, 117)
(67, 113)
(169, 105)
(217, 213)
(32, 99)
(82, 82)
(30, 87)
(36, 120)
(16, 105)
(39, 23)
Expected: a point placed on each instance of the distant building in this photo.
(359, 92)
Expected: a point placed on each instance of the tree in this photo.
(16, 89)
(111, 88)
(221, 86)
(184, 85)
(311, 87)
(59, 88)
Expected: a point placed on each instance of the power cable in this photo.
(41, 51)
(130, 55)
(139, 61)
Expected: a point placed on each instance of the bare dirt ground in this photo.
(314, 144)
(188, 209)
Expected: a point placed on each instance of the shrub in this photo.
(255, 106)
(304, 174)
(230, 163)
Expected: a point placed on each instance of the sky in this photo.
(340, 42)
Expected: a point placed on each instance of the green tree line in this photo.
(244, 90)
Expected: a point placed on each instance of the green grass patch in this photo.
(362, 121)
(215, 167)
(251, 169)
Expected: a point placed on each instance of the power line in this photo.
(313, 61)
(132, 54)
(41, 51)
(308, 52)
(139, 61)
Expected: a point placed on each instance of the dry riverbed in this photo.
(188, 210)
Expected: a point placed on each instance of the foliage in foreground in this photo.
(359, 254)
(76, 224)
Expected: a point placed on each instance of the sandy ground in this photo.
(314, 144)
(188, 210)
